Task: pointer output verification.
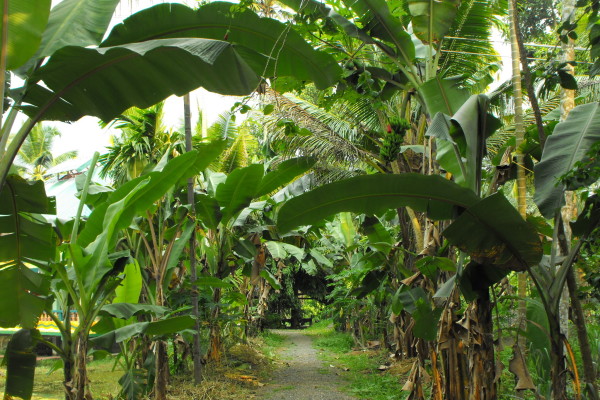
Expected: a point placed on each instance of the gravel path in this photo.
(302, 376)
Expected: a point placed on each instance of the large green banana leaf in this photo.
(156, 328)
(372, 194)
(103, 82)
(285, 52)
(26, 22)
(489, 229)
(443, 95)
(569, 144)
(431, 19)
(493, 232)
(26, 240)
(284, 173)
(471, 125)
(239, 189)
(76, 23)
(208, 211)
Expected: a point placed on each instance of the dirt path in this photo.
(302, 376)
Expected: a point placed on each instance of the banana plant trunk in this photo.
(482, 363)
(162, 371)
(79, 389)
(161, 380)
(215, 328)
(68, 359)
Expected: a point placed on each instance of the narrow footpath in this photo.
(302, 376)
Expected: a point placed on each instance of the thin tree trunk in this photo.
(519, 138)
(535, 107)
(161, 380)
(196, 355)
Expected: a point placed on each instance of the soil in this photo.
(302, 376)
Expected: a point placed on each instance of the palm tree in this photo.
(35, 155)
(142, 143)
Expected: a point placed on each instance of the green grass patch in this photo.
(49, 385)
(282, 388)
(364, 380)
(272, 339)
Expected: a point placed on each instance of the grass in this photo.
(364, 380)
(221, 382)
(48, 385)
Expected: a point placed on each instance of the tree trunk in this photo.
(482, 364)
(214, 353)
(161, 379)
(80, 389)
(261, 308)
(196, 355)
(68, 360)
(521, 182)
(455, 374)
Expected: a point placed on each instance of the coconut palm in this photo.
(35, 155)
(142, 143)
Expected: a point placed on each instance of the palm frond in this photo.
(224, 127)
(469, 39)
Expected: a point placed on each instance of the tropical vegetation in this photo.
(382, 180)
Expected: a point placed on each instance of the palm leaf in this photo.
(468, 39)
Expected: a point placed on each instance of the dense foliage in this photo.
(374, 182)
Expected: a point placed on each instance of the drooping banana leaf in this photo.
(26, 241)
(284, 173)
(373, 194)
(284, 51)
(569, 144)
(155, 328)
(26, 22)
(104, 82)
(490, 229)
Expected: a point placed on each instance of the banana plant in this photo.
(565, 149)
(69, 73)
(224, 208)
(90, 270)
